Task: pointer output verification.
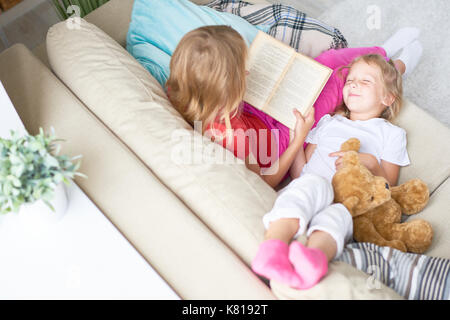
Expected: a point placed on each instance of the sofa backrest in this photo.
(117, 28)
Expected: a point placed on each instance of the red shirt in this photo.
(250, 134)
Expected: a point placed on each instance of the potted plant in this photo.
(32, 174)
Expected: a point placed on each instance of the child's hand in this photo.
(368, 160)
(303, 125)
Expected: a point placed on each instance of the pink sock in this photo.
(272, 262)
(309, 263)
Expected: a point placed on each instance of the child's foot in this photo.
(272, 262)
(309, 263)
(410, 56)
(400, 39)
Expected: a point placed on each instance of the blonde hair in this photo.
(207, 75)
(392, 84)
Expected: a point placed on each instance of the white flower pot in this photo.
(39, 213)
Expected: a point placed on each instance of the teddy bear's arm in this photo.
(364, 231)
(412, 196)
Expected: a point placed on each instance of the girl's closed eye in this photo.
(364, 82)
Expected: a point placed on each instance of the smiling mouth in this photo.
(353, 95)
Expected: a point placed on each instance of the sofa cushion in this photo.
(227, 197)
(428, 146)
(114, 86)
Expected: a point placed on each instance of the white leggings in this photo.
(310, 199)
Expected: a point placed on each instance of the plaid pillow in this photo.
(306, 35)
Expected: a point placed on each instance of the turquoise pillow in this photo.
(157, 27)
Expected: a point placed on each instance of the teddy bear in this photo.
(377, 207)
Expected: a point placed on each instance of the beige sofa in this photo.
(198, 224)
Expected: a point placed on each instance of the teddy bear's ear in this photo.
(350, 203)
(351, 144)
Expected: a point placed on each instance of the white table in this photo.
(82, 256)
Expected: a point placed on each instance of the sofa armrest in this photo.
(428, 146)
(169, 236)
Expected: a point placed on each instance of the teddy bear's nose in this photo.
(387, 186)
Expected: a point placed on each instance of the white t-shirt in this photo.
(378, 137)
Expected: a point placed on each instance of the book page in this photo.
(267, 61)
(299, 89)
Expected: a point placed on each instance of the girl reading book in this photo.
(371, 89)
(207, 83)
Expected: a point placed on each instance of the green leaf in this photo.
(30, 171)
(18, 170)
(51, 161)
(16, 182)
(7, 188)
(49, 205)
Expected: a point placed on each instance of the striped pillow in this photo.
(413, 276)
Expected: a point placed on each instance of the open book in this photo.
(281, 79)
